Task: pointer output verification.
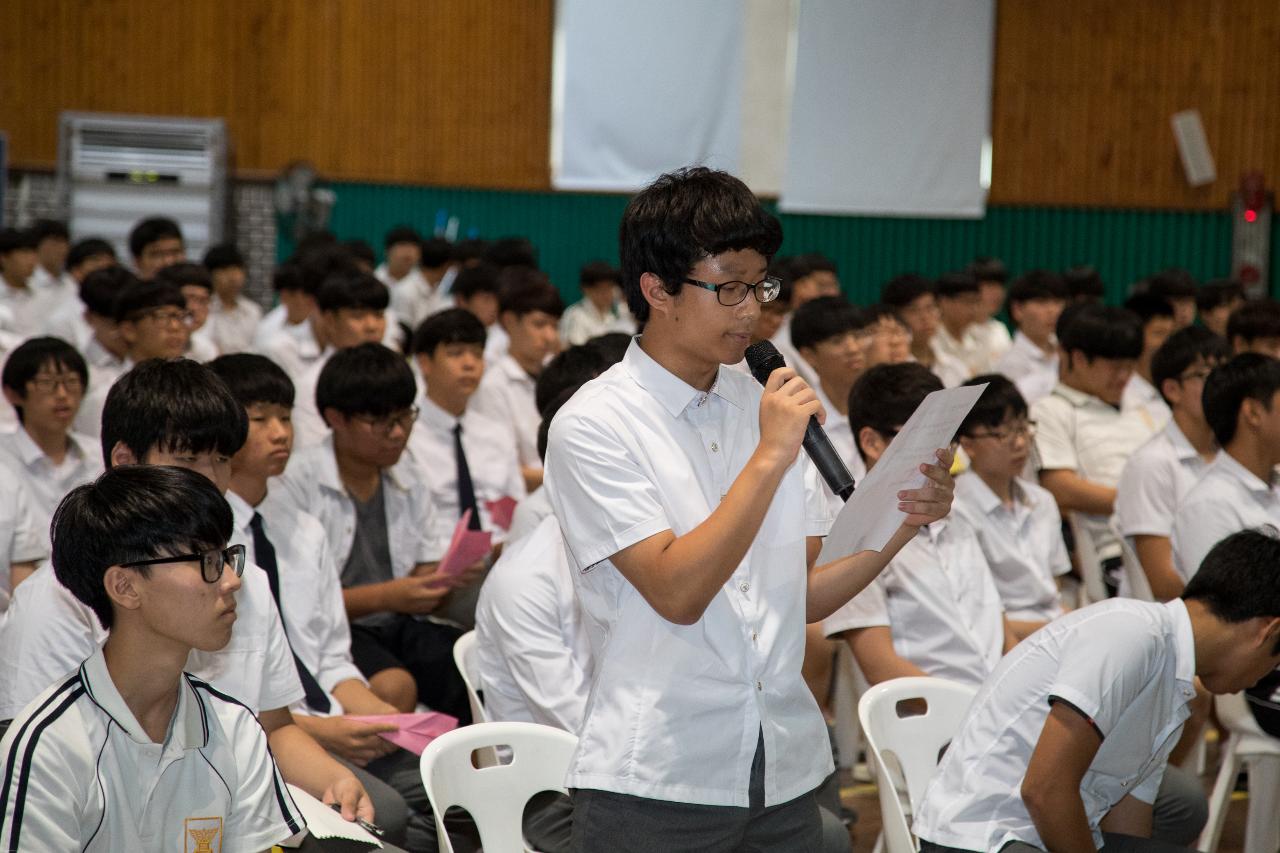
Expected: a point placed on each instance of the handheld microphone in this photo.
(763, 358)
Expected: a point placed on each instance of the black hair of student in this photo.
(368, 379)
(223, 256)
(1237, 580)
(436, 252)
(1100, 331)
(287, 276)
(1173, 283)
(359, 250)
(1218, 291)
(90, 247)
(172, 405)
(450, 326)
(1036, 284)
(1084, 284)
(151, 229)
(884, 397)
(523, 290)
(684, 217)
(824, 318)
(818, 262)
(1148, 306)
(44, 229)
(138, 297)
(1257, 318)
(511, 252)
(100, 289)
(952, 284)
(599, 272)
(401, 234)
(134, 512)
(13, 239)
(612, 346)
(548, 414)
(999, 402)
(28, 357)
(470, 250)
(901, 290)
(1183, 349)
(314, 241)
(874, 313)
(1248, 376)
(988, 269)
(254, 379)
(322, 263)
(185, 273)
(481, 278)
(358, 291)
(569, 369)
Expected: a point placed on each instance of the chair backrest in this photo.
(468, 664)
(494, 796)
(1135, 578)
(1090, 563)
(907, 748)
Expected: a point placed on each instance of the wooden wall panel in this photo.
(453, 92)
(1084, 92)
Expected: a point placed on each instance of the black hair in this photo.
(1237, 580)
(597, 272)
(436, 252)
(818, 262)
(481, 278)
(150, 230)
(360, 250)
(787, 271)
(138, 297)
(322, 263)
(1036, 284)
(1184, 348)
(1100, 331)
(1084, 284)
(174, 405)
(1218, 291)
(401, 234)
(1148, 306)
(43, 229)
(368, 379)
(1173, 283)
(884, 397)
(1000, 401)
(135, 512)
(548, 414)
(470, 249)
(1257, 318)
(90, 247)
(184, 273)
(288, 276)
(825, 317)
(360, 291)
(13, 239)
(683, 217)
(523, 291)
(569, 368)
(254, 379)
(450, 326)
(875, 312)
(511, 252)
(1248, 376)
(900, 291)
(612, 346)
(953, 284)
(988, 269)
(222, 256)
(100, 288)
(28, 357)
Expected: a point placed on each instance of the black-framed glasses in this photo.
(383, 425)
(48, 384)
(163, 317)
(1013, 431)
(733, 292)
(212, 562)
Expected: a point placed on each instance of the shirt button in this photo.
(715, 448)
(744, 586)
(759, 686)
(754, 636)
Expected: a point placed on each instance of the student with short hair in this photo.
(24, 310)
(68, 320)
(1166, 467)
(105, 351)
(1215, 302)
(989, 335)
(1036, 300)
(411, 296)
(146, 548)
(1179, 288)
(154, 243)
(233, 318)
(197, 289)
(891, 340)
(1141, 395)
(1016, 521)
(912, 296)
(959, 301)
(51, 277)
(476, 289)
(1084, 284)
(1255, 327)
(601, 308)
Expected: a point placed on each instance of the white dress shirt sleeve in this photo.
(54, 794)
(1055, 443)
(867, 609)
(28, 543)
(336, 663)
(1146, 497)
(1101, 677)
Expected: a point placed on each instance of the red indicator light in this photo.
(1251, 216)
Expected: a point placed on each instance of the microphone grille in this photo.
(763, 358)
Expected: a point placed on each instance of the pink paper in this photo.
(466, 547)
(416, 730)
(502, 510)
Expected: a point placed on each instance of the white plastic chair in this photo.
(1259, 753)
(464, 658)
(1136, 583)
(906, 749)
(494, 796)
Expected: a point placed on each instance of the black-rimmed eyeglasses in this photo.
(733, 292)
(212, 562)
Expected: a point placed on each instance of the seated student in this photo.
(1179, 288)
(1066, 744)
(1255, 327)
(1084, 285)
(1215, 302)
(935, 609)
(26, 310)
(891, 337)
(1016, 521)
(51, 277)
(1036, 301)
(412, 296)
(233, 318)
(154, 243)
(351, 311)
(476, 290)
(44, 379)
(990, 336)
(959, 301)
(1141, 395)
(530, 309)
(1163, 470)
(70, 320)
(197, 289)
(600, 310)
(912, 296)
(129, 752)
(374, 505)
(105, 351)
(804, 278)
(1082, 438)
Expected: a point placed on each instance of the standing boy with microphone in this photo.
(693, 531)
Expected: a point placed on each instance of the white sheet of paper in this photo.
(870, 518)
(324, 822)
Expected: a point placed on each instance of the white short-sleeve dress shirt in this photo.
(966, 350)
(293, 347)
(309, 426)
(1128, 666)
(1142, 399)
(22, 539)
(582, 321)
(1227, 499)
(88, 420)
(676, 710)
(1154, 481)
(413, 298)
(990, 339)
(506, 394)
(232, 329)
(1033, 370)
(528, 515)
(48, 483)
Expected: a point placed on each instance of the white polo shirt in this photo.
(535, 661)
(1227, 499)
(1155, 479)
(1033, 370)
(1142, 399)
(939, 601)
(1023, 544)
(528, 515)
(46, 482)
(490, 447)
(232, 329)
(676, 710)
(506, 394)
(84, 775)
(1128, 666)
(22, 539)
(582, 321)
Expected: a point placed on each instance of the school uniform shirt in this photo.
(22, 539)
(46, 482)
(413, 298)
(1033, 370)
(528, 515)
(496, 344)
(1127, 666)
(939, 601)
(840, 433)
(68, 323)
(29, 307)
(105, 367)
(294, 348)
(200, 346)
(782, 340)
(84, 775)
(1141, 398)
(1023, 544)
(676, 710)
(582, 321)
(1155, 479)
(1227, 499)
(964, 350)
(534, 659)
(232, 329)
(88, 420)
(990, 341)
(60, 289)
(309, 427)
(271, 324)
(490, 448)
(1078, 432)
(506, 394)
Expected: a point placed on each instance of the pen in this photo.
(364, 824)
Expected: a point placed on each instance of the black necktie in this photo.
(466, 489)
(265, 556)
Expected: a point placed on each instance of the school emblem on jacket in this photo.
(205, 832)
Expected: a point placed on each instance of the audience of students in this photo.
(233, 318)
(989, 334)
(1216, 301)
(1036, 300)
(601, 309)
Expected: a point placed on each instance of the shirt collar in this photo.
(1077, 398)
(1021, 341)
(328, 469)
(988, 501)
(508, 365)
(672, 392)
(241, 512)
(188, 729)
(434, 417)
(1184, 640)
(1233, 468)
(1181, 444)
(30, 453)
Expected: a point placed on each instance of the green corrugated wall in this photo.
(570, 228)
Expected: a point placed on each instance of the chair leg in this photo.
(1262, 826)
(1221, 796)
